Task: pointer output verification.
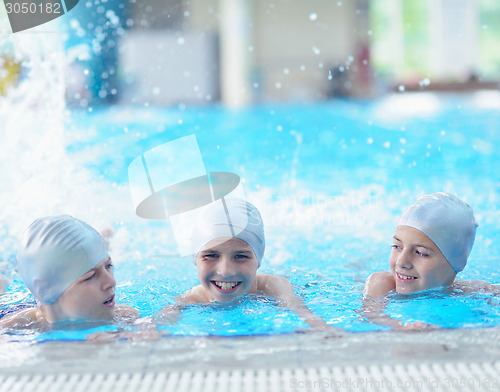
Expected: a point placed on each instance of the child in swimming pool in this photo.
(65, 264)
(431, 244)
(228, 246)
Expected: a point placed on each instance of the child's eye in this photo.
(396, 247)
(422, 254)
(241, 257)
(210, 255)
(109, 266)
(88, 278)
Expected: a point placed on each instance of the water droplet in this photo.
(424, 82)
(401, 88)
(316, 50)
(313, 16)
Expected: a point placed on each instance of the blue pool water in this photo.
(330, 179)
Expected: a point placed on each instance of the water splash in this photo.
(32, 118)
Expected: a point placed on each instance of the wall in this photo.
(287, 46)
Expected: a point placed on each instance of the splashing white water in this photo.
(38, 177)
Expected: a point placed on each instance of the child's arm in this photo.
(280, 288)
(374, 311)
(376, 288)
(20, 319)
(473, 286)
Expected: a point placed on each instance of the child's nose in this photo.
(225, 266)
(404, 260)
(109, 280)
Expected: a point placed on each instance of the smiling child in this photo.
(228, 245)
(65, 264)
(431, 244)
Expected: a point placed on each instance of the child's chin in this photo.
(218, 297)
(406, 290)
(226, 298)
(105, 316)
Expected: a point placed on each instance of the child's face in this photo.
(91, 297)
(417, 263)
(227, 268)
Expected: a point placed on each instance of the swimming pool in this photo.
(330, 180)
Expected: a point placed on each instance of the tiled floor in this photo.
(309, 361)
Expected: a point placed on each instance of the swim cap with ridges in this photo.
(231, 218)
(54, 252)
(448, 222)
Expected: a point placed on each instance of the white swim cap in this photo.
(54, 252)
(230, 217)
(448, 222)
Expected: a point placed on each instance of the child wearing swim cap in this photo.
(431, 244)
(66, 266)
(228, 245)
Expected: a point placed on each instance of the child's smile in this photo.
(226, 287)
(405, 278)
(227, 268)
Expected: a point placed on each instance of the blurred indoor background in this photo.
(243, 52)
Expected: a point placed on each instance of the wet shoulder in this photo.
(196, 295)
(274, 285)
(20, 319)
(379, 284)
